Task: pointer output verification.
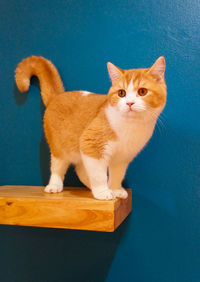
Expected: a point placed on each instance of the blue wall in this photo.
(160, 241)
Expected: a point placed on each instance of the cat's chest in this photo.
(131, 137)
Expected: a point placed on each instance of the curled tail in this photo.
(50, 81)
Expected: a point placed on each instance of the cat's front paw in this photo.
(120, 193)
(53, 188)
(105, 194)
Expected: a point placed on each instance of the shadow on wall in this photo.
(57, 255)
(71, 178)
(20, 99)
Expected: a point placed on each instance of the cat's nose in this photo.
(130, 104)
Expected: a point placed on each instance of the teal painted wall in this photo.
(159, 242)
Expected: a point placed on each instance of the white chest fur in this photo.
(132, 135)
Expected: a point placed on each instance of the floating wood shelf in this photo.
(74, 208)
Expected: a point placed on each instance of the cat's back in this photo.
(84, 98)
(76, 108)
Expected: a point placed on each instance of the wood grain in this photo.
(74, 208)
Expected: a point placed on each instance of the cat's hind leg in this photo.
(58, 170)
(97, 173)
(82, 174)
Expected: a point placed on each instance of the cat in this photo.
(99, 134)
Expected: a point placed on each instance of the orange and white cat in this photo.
(99, 134)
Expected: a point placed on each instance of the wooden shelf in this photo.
(74, 208)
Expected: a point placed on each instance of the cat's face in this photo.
(138, 91)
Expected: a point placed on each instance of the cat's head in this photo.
(138, 91)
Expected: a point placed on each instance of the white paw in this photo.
(53, 188)
(120, 193)
(106, 194)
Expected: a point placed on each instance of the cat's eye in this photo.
(121, 93)
(142, 91)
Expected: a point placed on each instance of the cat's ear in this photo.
(114, 72)
(158, 69)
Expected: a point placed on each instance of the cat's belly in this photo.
(74, 158)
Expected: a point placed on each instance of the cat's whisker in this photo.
(160, 125)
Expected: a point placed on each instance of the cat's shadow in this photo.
(20, 98)
(71, 178)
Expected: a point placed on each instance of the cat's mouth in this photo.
(130, 112)
(133, 111)
(136, 109)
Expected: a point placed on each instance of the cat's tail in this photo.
(50, 81)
